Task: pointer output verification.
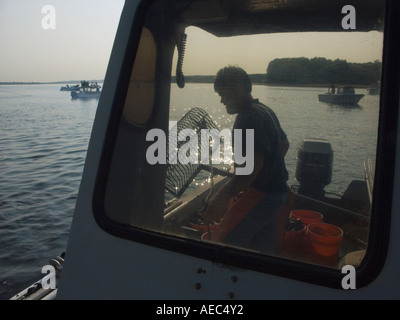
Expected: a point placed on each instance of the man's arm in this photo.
(285, 146)
(218, 203)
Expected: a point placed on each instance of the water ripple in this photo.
(43, 143)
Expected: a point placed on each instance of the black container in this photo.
(314, 167)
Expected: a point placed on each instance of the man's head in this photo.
(234, 86)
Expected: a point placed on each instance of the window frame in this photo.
(382, 196)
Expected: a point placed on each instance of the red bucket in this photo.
(325, 238)
(306, 216)
(293, 239)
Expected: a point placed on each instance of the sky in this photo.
(79, 45)
(358, 47)
(78, 48)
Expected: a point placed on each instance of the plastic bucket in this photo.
(293, 241)
(293, 237)
(325, 238)
(306, 216)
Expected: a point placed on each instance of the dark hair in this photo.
(230, 77)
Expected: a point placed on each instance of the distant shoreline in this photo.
(201, 79)
(49, 82)
(256, 81)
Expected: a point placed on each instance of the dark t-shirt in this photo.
(268, 136)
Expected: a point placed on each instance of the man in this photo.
(264, 191)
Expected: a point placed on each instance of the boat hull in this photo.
(85, 95)
(341, 99)
(69, 89)
(373, 91)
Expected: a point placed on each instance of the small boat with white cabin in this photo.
(70, 88)
(341, 96)
(87, 91)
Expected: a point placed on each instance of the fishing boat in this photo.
(70, 88)
(127, 242)
(87, 91)
(343, 96)
(373, 90)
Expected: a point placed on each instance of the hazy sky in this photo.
(255, 52)
(79, 47)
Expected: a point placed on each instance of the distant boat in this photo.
(87, 91)
(343, 96)
(374, 90)
(70, 88)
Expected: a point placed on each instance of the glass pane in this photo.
(331, 156)
(273, 154)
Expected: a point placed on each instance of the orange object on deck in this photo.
(325, 238)
(306, 216)
(237, 209)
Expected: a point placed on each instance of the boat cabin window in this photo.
(304, 101)
(140, 96)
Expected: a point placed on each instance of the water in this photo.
(43, 142)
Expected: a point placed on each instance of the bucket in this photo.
(325, 239)
(306, 216)
(293, 239)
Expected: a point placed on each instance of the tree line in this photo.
(303, 71)
(256, 78)
(321, 71)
